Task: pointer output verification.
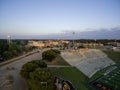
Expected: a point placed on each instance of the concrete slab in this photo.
(88, 62)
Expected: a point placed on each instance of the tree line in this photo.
(103, 41)
(15, 49)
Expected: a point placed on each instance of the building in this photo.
(47, 43)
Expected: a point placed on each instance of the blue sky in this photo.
(44, 17)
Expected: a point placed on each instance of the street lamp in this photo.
(9, 40)
(73, 38)
(62, 39)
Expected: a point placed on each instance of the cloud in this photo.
(111, 33)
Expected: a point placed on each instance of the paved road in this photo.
(11, 71)
(58, 66)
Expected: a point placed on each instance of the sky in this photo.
(22, 18)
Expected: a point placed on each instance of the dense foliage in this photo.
(41, 79)
(31, 66)
(56, 51)
(50, 54)
(37, 75)
(103, 41)
(15, 49)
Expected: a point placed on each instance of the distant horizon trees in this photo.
(103, 41)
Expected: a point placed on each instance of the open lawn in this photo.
(78, 79)
(114, 55)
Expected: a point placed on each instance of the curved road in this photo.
(10, 72)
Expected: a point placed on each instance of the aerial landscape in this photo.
(59, 44)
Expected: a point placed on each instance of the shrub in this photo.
(31, 66)
(41, 79)
(56, 51)
(49, 55)
(37, 76)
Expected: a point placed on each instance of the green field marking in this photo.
(111, 80)
(114, 82)
(99, 73)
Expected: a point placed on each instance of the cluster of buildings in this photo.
(88, 44)
(60, 43)
(47, 43)
(115, 46)
(65, 44)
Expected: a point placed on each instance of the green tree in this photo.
(49, 55)
(38, 77)
(3, 46)
(14, 52)
(16, 48)
(65, 45)
(41, 79)
(31, 66)
(7, 55)
(56, 51)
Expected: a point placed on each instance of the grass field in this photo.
(114, 55)
(78, 79)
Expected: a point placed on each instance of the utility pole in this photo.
(9, 40)
(62, 40)
(73, 38)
